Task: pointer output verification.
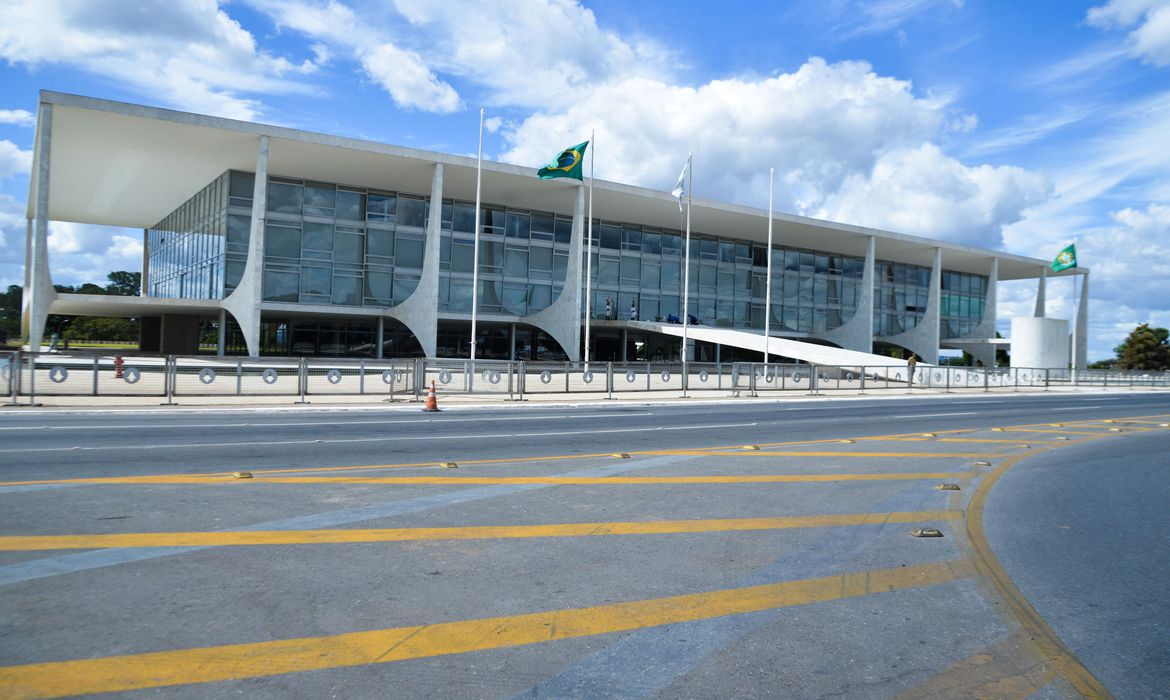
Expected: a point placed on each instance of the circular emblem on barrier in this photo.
(333, 375)
(849, 376)
(207, 375)
(269, 376)
(703, 376)
(1023, 377)
(665, 376)
(445, 376)
(876, 377)
(545, 377)
(769, 377)
(797, 377)
(938, 376)
(131, 375)
(388, 377)
(630, 376)
(56, 375)
(898, 376)
(494, 377)
(587, 377)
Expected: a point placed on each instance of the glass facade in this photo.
(348, 246)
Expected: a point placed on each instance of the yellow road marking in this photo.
(994, 440)
(987, 565)
(236, 661)
(521, 480)
(1056, 431)
(1008, 668)
(763, 453)
(15, 543)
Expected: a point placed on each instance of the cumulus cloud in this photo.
(188, 53)
(13, 160)
(924, 192)
(1150, 40)
(20, 117)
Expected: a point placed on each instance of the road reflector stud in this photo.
(1108, 420)
(1115, 430)
(1164, 425)
(620, 455)
(1061, 437)
(997, 430)
(751, 447)
(926, 532)
(846, 442)
(930, 435)
(982, 463)
(241, 475)
(1057, 425)
(948, 487)
(1024, 446)
(448, 465)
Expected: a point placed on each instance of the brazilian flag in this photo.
(1065, 259)
(568, 163)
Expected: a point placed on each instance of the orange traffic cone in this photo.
(432, 400)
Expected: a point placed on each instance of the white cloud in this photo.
(408, 80)
(1150, 41)
(20, 117)
(13, 161)
(848, 145)
(922, 191)
(187, 53)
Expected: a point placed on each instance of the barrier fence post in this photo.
(170, 365)
(303, 379)
(813, 376)
(685, 377)
(14, 376)
(419, 377)
(362, 377)
(609, 379)
(96, 369)
(32, 379)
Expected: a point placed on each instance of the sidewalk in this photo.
(457, 401)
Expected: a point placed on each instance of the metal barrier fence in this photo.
(59, 374)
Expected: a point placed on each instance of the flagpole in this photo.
(475, 253)
(687, 259)
(768, 283)
(589, 249)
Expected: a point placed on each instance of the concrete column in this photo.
(380, 337)
(38, 289)
(625, 344)
(923, 339)
(857, 332)
(244, 301)
(512, 343)
(562, 319)
(1081, 335)
(420, 311)
(1040, 293)
(142, 288)
(221, 336)
(985, 352)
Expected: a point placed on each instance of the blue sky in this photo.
(996, 123)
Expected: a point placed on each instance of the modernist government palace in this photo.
(264, 240)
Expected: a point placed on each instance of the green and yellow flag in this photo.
(568, 163)
(1065, 259)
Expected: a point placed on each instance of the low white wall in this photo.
(1040, 342)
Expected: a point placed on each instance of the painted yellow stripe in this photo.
(1044, 639)
(842, 453)
(16, 543)
(525, 480)
(994, 440)
(1056, 431)
(237, 661)
(1008, 668)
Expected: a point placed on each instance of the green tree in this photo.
(1145, 348)
(10, 312)
(101, 328)
(126, 284)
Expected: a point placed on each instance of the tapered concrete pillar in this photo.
(562, 319)
(985, 352)
(1040, 293)
(923, 339)
(857, 332)
(420, 311)
(244, 301)
(1080, 354)
(38, 288)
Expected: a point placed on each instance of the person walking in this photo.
(911, 364)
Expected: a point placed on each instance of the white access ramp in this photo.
(797, 350)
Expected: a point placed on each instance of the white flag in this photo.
(680, 188)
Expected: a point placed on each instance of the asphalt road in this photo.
(758, 550)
